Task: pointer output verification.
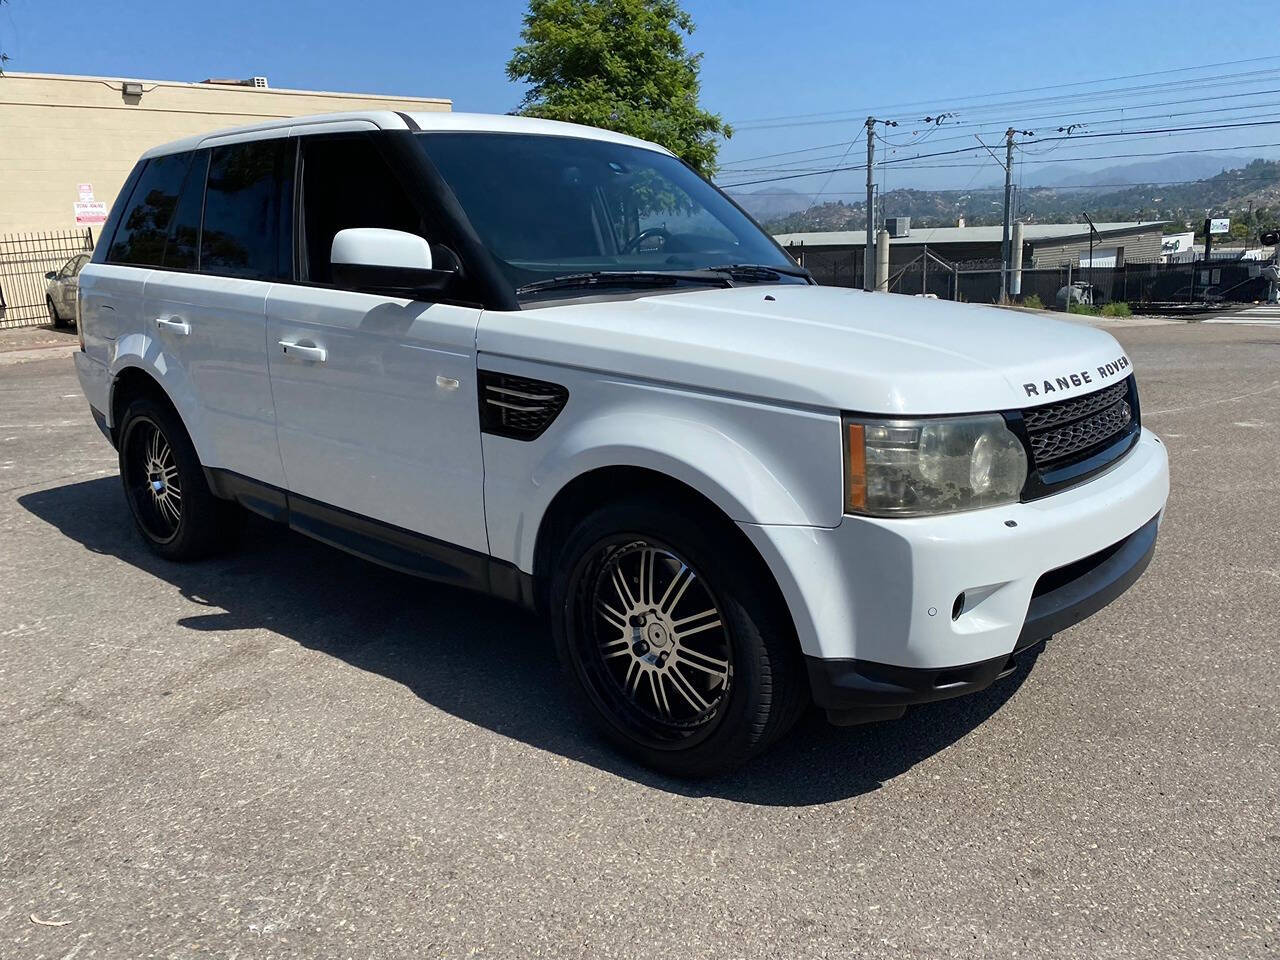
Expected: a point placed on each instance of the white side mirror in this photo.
(377, 247)
(392, 262)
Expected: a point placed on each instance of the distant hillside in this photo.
(770, 202)
(1251, 192)
(1232, 192)
(1164, 169)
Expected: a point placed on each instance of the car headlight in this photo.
(911, 468)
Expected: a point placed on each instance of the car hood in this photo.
(816, 346)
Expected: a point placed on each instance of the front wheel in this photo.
(674, 638)
(172, 505)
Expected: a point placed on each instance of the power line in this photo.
(1058, 143)
(1132, 133)
(1075, 104)
(963, 150)
(1059, 116)
(1056, 186)
(1105, 156)
(1028, 121)
(1009, 93)
(861, 166)
(1225, 80)
(842, 159)
(788, 153)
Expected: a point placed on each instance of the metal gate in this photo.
(831, 268)
(25, 258)
(926, 274)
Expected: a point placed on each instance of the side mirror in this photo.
(52, 274)
(375, 260)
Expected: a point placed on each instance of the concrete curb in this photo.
(31, 354)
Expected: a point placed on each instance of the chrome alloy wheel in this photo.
(658, 641)
(153, 481)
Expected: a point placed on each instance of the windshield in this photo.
(549, 207)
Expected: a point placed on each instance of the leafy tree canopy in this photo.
(620, 65)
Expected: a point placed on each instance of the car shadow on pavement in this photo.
(482, 660)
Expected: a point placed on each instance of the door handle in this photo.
(174, 325)
(291, 349)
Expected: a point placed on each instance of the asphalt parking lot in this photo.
(291, 753)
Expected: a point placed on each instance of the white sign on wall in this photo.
(85, 190)
(1220, 225)
(1177, 242)
(90, 212)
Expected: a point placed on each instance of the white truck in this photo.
(553, 364)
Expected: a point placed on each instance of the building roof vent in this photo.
(233, 82)
(898, 226)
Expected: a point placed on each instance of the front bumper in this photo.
(854, 691)
(884, 590)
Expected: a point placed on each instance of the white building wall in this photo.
(57, 132)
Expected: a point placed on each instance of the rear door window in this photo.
(184, 233)
(140, 237)
(245, 210)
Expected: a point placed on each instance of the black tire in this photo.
(646, 698)
(53, 313)
(155, 448)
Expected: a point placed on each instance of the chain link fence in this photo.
(1140, 284)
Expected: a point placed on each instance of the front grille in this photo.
(518, 407)
(1052, 445)
(1041, 418)
(1061, 434)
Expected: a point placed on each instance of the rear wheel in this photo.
(172, 505)
(675, 641)
(54, 317)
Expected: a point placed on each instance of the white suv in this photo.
(553, 364)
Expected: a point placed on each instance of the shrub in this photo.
(1084, 308)
(1117, 309)
(1033, 300)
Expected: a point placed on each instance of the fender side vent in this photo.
(518, 407)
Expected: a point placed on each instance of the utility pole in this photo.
(869, 261)
(1093, 232)
(1005, 258)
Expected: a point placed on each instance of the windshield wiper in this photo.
(626, 278)
(760, 271)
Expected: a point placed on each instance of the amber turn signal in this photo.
(855, 468)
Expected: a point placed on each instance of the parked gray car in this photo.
(60, 295)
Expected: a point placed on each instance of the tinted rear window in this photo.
(140, 237)
(243, 206)
(184, 232)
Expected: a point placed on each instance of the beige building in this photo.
(59, 133)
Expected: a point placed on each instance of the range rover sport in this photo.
(553, 364)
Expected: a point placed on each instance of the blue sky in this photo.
(761, 60)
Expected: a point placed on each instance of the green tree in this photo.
(620, 65)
